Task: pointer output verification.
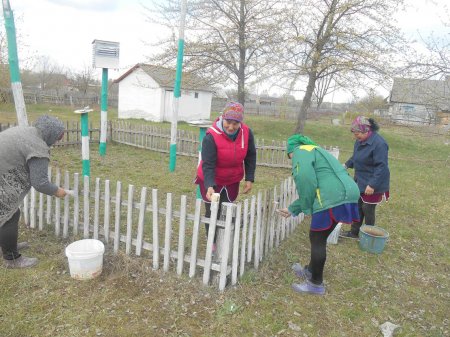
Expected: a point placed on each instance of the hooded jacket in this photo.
(17, 146)
(321, 181)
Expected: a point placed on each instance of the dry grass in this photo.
(408, 284)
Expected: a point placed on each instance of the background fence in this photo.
(155, 138)
(272, 153)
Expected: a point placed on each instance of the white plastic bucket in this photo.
(85, 258)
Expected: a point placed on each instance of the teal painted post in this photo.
(13, 60)
(85, 144)
(177, 91)
(103, 113)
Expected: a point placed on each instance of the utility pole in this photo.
(13, 59)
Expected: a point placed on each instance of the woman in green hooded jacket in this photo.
(327, 193)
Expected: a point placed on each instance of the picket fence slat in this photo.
(226, 245)
(210, 240)
(76, 203)
(168, 232)
(117, 217)
(129, 219)
(32, 208)
(66, 205)
(181, 235)
(235, 260)
(194, 246)
(155, 229)
(244, 238)
(251, 226)
(140, 231)
(106, 218)
(96, 208)
(58, 206)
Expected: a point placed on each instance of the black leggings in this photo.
(367, 212)
(318, 240)
(223, 198)
(9, 234)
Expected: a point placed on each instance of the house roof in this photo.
(165, 77)
(425, 92)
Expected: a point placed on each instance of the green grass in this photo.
(407, 284)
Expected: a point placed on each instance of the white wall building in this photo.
(146, 91)
(418, 101)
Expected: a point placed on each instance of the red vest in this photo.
(230, 155)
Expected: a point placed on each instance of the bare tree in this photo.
(369, 103)
(431, 62)
(48, 72)
(227, 41)
(322, 88)
(83, 79)
(349, 40)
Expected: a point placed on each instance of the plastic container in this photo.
(372, 239)
(85, 258)
(334, 235)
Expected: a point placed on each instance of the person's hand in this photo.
(209, 193)
(60, 192)
(247, 187)
(344, 166)
(284, 212)
(369, 190)
(70, 192)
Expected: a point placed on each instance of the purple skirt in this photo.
(346, 213)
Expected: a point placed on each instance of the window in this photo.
(196, 95)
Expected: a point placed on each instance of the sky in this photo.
(63, 30)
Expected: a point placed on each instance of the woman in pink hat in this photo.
(228, 156)
(370, 162)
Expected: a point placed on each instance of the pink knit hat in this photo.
(233, 111)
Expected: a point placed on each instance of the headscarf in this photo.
(233, 111)
(51, 129)
(361, 124)
(296, 140)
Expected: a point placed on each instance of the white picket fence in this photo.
(170, 236)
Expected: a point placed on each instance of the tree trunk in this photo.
(242, 54)
(306, 103)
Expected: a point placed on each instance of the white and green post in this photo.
(103, 112)
(177, 90)
(13, 59)
(105, 56)
(85, 140)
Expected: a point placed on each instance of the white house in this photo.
(146, 91)
(418, 101)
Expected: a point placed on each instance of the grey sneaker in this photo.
(21, 262)
(301, 271)
(22, 245)
(309, 288)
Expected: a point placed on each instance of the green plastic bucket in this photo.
(372, 239)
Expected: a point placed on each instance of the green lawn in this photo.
(408, 284)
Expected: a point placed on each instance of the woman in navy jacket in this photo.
(370, 161)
